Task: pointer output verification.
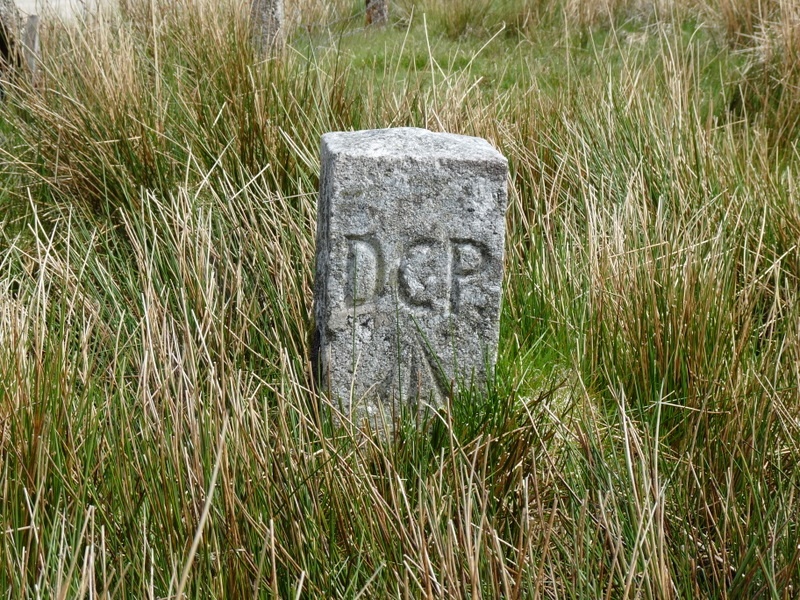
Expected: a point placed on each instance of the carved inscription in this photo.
(365, 269)
(468, 259)
(430, 274)
(422, 275)
(426, 369)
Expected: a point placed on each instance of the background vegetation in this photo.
(159, 434)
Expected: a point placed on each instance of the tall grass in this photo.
(160, 433)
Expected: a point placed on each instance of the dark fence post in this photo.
(377, 12)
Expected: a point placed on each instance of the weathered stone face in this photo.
(410, 237)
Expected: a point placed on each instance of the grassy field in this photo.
(160, 436)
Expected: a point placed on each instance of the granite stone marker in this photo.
(410, 234)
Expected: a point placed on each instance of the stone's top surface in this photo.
(410, 142)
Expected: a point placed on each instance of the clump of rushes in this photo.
(160, 434)
(770, 79)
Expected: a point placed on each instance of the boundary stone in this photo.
(410, 248)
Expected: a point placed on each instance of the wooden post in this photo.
(30, 46)
(266, 20)
(377, 12)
